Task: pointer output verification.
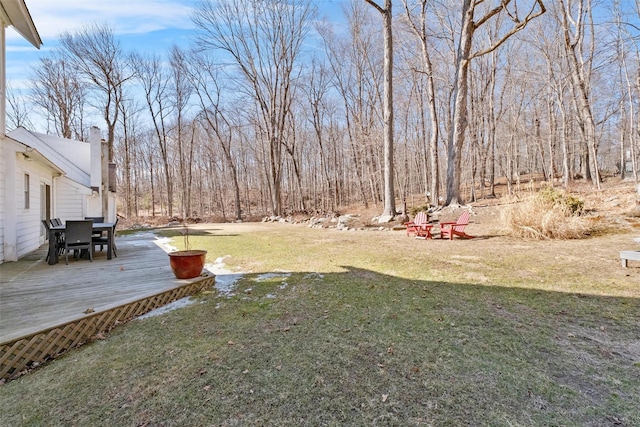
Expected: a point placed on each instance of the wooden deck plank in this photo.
(35, 296)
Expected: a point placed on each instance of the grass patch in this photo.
(361, 329)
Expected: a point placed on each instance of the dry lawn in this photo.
(367, 327)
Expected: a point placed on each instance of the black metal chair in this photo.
(102, 240)
(59, 236)
(78, 237)
(96, 219)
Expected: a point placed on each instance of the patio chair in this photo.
(77, 238)
(450, 229)
(56, 221)
(95, 219)
(102, 240)
(421, 219)
(59, 236)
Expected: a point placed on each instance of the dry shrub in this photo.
(546, 215)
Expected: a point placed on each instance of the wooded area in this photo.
(276, 111)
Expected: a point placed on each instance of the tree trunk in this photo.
(389, 190)
(389, 210)
(581, 94)
(456, 138)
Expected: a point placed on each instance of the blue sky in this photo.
(145, 25)
(149, 24)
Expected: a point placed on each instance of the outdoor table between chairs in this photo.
(97, 227)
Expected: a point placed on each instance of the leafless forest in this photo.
(275, 110)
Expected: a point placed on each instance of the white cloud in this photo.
(124, 16)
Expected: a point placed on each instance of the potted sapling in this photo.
(187, 263)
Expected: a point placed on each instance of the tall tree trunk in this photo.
(389, 210)
(421, 34)
(460, 94)
(581, 93)
(461, 86)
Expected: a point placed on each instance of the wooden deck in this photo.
(35, 296)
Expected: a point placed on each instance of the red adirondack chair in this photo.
(450, 229)
(421, 220)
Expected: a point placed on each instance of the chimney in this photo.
(96, 158)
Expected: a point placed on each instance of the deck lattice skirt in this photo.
(29, 351)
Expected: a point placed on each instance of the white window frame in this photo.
(27, 191)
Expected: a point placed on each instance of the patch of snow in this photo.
(182, 302)
(226, 280)
(139, 239)
(164, 243)
(267, 276)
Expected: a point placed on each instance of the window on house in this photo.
(26, 191)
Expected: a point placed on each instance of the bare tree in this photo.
(389, 211)
(355, 63)
(61, 94)
(464, 54)
(272, 134)
(95, 53)
(127, 142)
(316, 92)
(156, 86)
(549, 48)
(264, 40)
(181, 91)
(205, 79)
(421, 32)
(17, 110)
(148, 172)
(573, 27)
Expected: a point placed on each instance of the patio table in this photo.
(97, 227)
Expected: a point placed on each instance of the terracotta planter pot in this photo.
(187, 264)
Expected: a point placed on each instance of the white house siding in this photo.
(78, 152)
(9, 202)
(28, 226)
(2, 132)
(68, 155)
(70, 199)
(14, 13)
(2, 202)
(94, 205)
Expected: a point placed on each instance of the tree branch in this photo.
(517, 27)
(493, 12)
(374, 4)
